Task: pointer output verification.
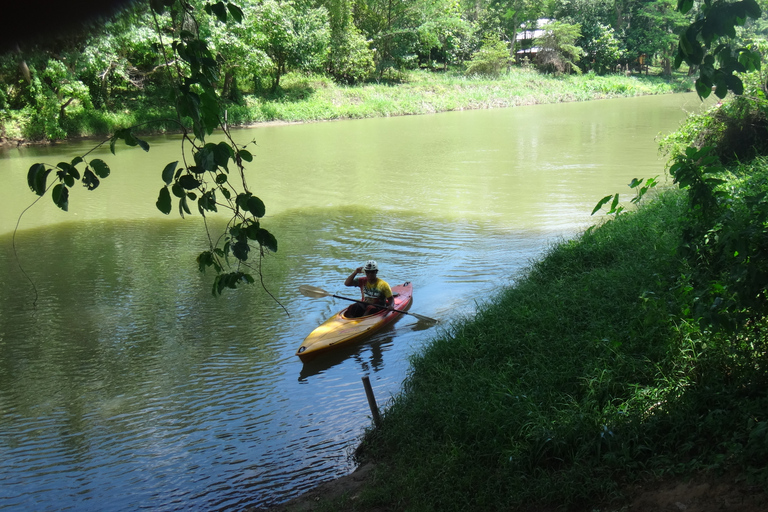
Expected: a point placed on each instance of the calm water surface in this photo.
(129, 386)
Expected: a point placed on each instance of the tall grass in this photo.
(312, 99)
(573, 382)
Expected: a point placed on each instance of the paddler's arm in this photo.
(391, 301)
(351, 279)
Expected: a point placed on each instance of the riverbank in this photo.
(583, 387)
(311, 98)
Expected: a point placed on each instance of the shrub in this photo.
(490, 59)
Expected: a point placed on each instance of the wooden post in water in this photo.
(371, 401)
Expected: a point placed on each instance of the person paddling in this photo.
(376, 292)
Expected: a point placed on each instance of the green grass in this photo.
(582, 377)
(308, 99)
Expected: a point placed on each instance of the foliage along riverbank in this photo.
(634, 353)
(309, 98)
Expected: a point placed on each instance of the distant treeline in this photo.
(122, 63)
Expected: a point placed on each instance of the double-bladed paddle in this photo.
(315, 292)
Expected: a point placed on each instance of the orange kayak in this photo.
(340, 330)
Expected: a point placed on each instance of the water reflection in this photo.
(368, 355)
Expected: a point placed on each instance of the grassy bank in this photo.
(589, 374)
(303, 98)
(419, 92)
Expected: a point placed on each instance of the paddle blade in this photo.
(427, 321)
(312, 291)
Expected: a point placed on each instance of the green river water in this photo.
(125, 385)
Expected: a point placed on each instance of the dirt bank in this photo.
(698, 493)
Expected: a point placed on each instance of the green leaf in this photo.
(752, 9)
(100, 168)
(222, 152)
(90, 181)
(614, 204)
(237, 13)
(221, 179)
(178, 190)
(220, 10)
(242, 200)
(684, 5)
(204, 260)
(189, 182)
(60, 196)
(76, 160)
(164, 201)
(183, 206)
(157, 5)
(245, 155)
(205, 158)
(601, 203)
(256, 207)
(37, 177)
(266, 239)
(168, 172)
(64, 166)
(207, 202)
(240, 250)
(703, 89)
(721, 90)
(142, 144)
(750, 60)
(209, 109)
(735, 84)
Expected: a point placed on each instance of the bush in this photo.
(490, 59)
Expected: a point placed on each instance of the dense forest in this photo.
(122, 63)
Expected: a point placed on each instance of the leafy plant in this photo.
(640, 191)
(698, 171)
(558, 52)
(213, 177)
(717, 66)
(490, 59)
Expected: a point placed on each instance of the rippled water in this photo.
(134, 387)
(129, 386)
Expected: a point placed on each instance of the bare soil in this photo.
(700, 493)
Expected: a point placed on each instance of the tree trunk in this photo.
(228, 77)
(63, 109)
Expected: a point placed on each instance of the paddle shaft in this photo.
(369, 304)
(315, 292)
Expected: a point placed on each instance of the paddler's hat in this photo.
(371, 266)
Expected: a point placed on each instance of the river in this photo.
(125, 385)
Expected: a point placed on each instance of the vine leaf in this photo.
(164, 201)
(60, 196)
(168, 172)
(37, 176)
(100, 168)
